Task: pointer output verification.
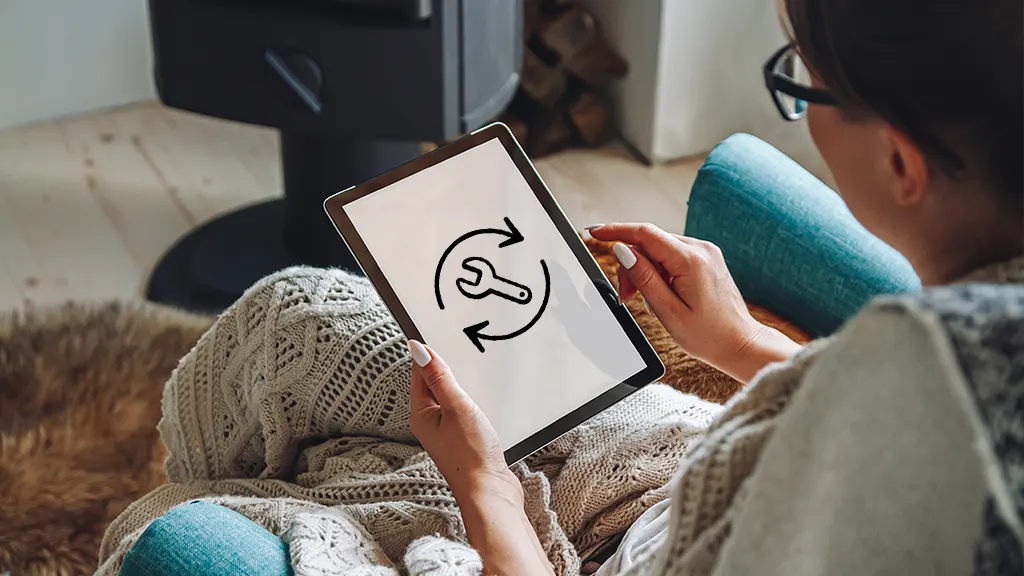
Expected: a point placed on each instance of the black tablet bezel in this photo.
(653, 369)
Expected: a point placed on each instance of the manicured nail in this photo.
(646, 306)
(419, 353)
(585, 233)
(624, 254)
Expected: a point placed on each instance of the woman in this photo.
(853, 455)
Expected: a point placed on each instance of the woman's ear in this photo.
(910, 176)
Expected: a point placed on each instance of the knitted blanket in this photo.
(293, 410)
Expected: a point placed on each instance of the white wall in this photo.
(60, 57)
(695, 76)
(634, 26)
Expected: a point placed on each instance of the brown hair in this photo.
(947, 73)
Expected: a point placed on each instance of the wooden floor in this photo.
(88, 204)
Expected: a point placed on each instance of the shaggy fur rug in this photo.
(80, 389)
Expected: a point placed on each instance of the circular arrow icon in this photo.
(482, 281)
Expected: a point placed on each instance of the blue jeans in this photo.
(790, 243)
(202, 538)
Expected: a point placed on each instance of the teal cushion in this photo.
(790, 242)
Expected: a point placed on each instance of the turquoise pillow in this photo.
(790, 242)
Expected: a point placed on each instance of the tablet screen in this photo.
(493, 287)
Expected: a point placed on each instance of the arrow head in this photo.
(473, 333)
(514, 237)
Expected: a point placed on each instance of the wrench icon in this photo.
(485, 281)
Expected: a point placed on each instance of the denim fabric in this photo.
(789, 240)
(204, 539)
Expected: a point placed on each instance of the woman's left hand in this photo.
(453, 429)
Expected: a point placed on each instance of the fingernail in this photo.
(419, 353)
(585, 233)
(624, 255)
(646, 307)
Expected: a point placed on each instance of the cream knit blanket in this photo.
(293, 411)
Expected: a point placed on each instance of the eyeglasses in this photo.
(789, 82)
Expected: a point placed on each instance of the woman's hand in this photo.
(688, 287)
(451, 427)
(465, 447)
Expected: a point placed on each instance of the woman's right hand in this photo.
(687, 285)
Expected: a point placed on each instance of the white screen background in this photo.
(574, 352)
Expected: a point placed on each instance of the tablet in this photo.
(473, 256)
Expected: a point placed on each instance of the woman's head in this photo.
(930, 99)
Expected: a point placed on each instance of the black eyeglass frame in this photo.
(950, 162)
(779, 84)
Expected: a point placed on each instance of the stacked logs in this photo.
(567, 63)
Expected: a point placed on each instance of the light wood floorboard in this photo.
(88, 204)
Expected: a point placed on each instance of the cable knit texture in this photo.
(293, 410)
